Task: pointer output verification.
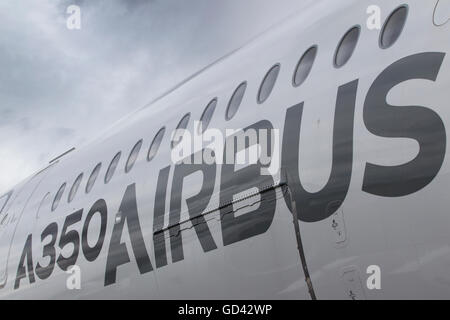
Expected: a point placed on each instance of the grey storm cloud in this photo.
(125, 54)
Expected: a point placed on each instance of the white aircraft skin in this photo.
(401, 225)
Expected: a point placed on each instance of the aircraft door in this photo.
(10, 215)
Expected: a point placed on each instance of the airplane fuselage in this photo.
(358, 176)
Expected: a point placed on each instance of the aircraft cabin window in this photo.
(346, 46)
(58, 196)
(93, 177)
(112, 167)
(268, 83)
(304, 66)
(393, 27)
(155, 144)
(133, 156)
(74, 189)
(235, 101)
(182, 125)
(44, 202)
(205, 119)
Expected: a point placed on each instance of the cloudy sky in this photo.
(60, 87)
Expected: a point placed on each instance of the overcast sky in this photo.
(60, 87)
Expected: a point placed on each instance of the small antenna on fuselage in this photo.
(61, 155)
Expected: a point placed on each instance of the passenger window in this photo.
(393, 27)
(304, 66)
(346, 47)
(133, 156)
(155, 144)
(207, 115)
(58, 196)
(235, 101)
(93, 177)
(75, 186)
(112, 167)
(182, 125)
(44, 202)
(268, 83)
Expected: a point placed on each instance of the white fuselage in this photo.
(363, 160)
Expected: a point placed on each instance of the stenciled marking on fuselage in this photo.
(415, 122)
